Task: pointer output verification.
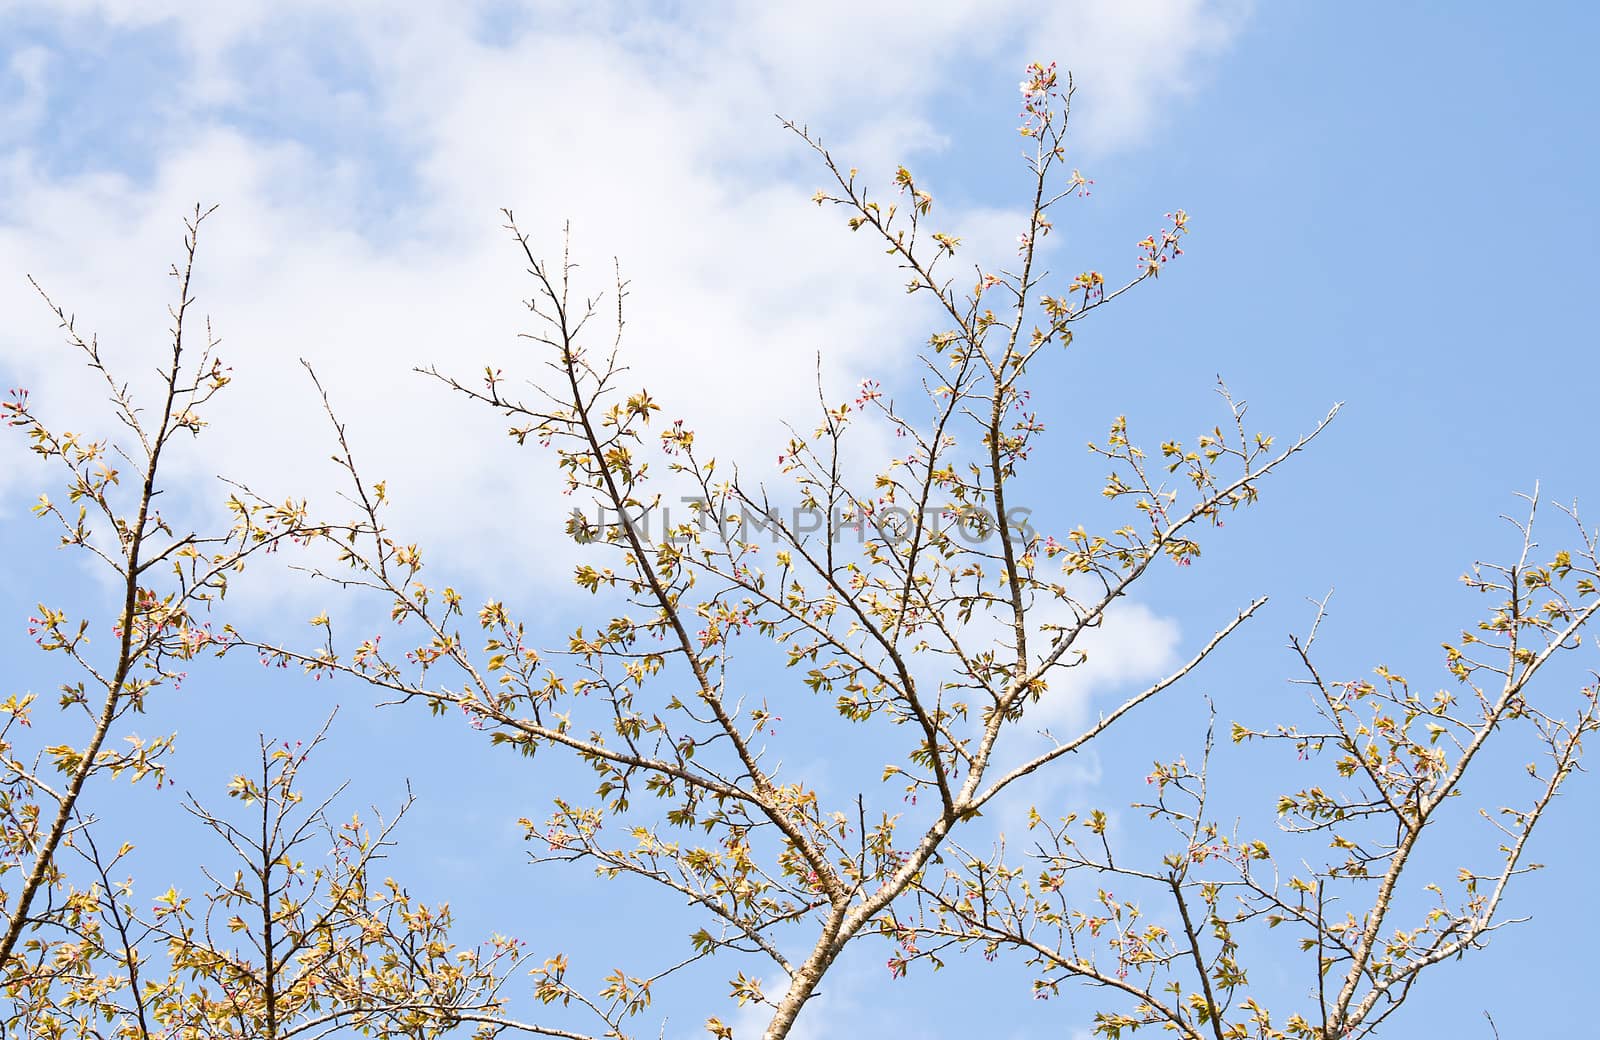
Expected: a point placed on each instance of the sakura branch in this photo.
(932, 642)
(167, 578)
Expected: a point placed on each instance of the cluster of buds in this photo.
(1092, 284)
(1038, 90)
(16, 409)
(677, 439)
(1155, 250)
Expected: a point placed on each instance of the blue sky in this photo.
(1392, 206)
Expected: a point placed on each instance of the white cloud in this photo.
(655, 139)
(1131, 60)
(1132, 645)
(1131, 648)
(22, 86)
